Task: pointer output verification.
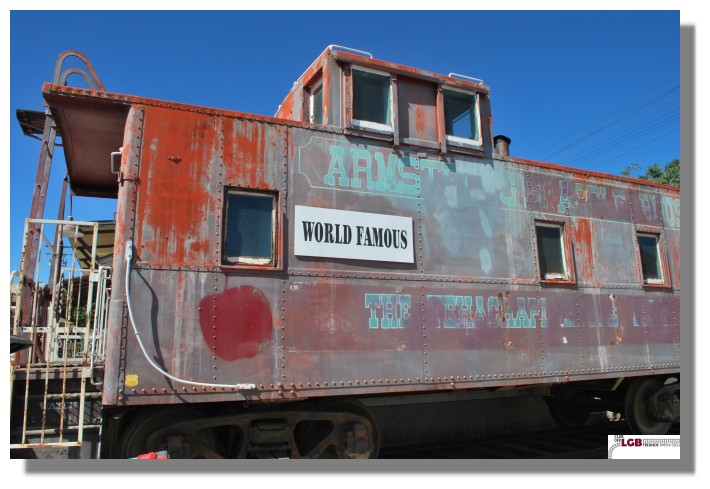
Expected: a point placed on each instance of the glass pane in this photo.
(650, 265)
(549, 247)
(317, 105)
(248, 226)
(460, 115)
(371, 97)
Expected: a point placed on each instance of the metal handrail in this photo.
(464, 77)
(335, 47)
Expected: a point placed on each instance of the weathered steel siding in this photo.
(203, 327)
(253, 154)
(417, 111)
(484, 315)
(470, 311)
(177, 206)
(198, 320)
(340, 172)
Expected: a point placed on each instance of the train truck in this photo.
(297, 285)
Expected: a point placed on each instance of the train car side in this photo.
(307, 264)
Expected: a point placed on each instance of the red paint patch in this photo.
(237, 323)
(420, 122)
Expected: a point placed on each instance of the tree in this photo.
(670, 173)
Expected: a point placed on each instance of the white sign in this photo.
(354, 235)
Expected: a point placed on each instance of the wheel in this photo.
(636, 408)
(346, 430)
(140, 437)
(566, 410)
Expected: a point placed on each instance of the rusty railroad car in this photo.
(269, 281)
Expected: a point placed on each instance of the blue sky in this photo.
(593, 89)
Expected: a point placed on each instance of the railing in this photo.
(66, 329)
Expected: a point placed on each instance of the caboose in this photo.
(271, 285)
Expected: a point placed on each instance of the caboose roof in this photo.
(92, 123)
(91, 128)
(395, 68)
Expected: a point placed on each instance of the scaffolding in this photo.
(59, 302)
(62, 367)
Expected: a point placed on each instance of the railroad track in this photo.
(589, 442)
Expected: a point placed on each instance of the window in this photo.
(461, 117)
(650, 258)
(315, 107)
(551, 251)
(249, 228)
(372, 106)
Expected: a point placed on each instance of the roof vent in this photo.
(502, 144)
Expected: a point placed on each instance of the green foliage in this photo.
(670, 173)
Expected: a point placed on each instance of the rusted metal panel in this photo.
(672, 242)
(599, 199)
(646, 206)
(332, 98)
(469, 310)
(252, 154)
(207, 328)
(582, 243)
(614, 242)
(407, 71)
(177, 203)
(670, 215)
(477, 333)
(662, 329)
(610, 335)
(352, 332)
(117, 333)
(328, 171)
(472, 222)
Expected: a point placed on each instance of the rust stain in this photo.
(581, 173)
(582, 231)
(420, 119)
(618, 336)
(177, 197)
(244, 157)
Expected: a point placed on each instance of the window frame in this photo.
(245, 262)
(657, 233)
(316, 82)
(311, 103)
(457, 141)
(569, 276)
(365, 124)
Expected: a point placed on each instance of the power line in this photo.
(624, 132)
(613, 122)
(628, 137)
(652, 140)
(629, 109)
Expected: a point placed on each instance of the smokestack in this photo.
(502, 143)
